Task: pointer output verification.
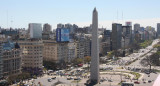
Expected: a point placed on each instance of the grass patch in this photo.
(75, 81)
(137, 75)
(146, 43)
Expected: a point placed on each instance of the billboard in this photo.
(62, 35)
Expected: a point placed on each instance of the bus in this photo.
(127, 84)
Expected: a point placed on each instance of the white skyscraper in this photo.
(95, 49)
(35, 30)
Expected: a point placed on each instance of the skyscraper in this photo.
(47, 28)
(1, 61)
(95, 49)
(136, 28)
(116, 36)
(158, 29)
(35, 30)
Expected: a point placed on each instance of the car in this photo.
(144, 82)
(69, 78)
(49, 80)
(149, 81)
(109, 80)
(136, 82)
(54, 78)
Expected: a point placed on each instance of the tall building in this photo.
(47, 28)
(127, 35)
(1, 61)
(136, 27)
(35, 30)
(95, 49)
(32, 59)
(11, 58)
(158, 29)
(83, 47)
(116, 36)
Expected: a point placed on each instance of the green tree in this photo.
(87, 59)
(77, 61)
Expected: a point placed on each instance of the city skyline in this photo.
(21, 13)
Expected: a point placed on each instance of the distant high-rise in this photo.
(158, 29)
(1, 61)
(95, 49)
(35, 30)
(116, 36)
(47, 28)
(136, 28)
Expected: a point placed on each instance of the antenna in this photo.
(122, 17)
(12, 22)
(7, 18)
(117, 16)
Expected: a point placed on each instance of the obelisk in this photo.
(94, 76)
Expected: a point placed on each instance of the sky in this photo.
(19, 13)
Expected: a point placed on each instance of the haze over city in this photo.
(18, 13)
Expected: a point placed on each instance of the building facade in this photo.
(32, 59)
(158, 29)
(50, 51)
(35, 30)
(1, 61)
(11, 58)
(116, 36)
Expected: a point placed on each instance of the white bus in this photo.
(127, 84)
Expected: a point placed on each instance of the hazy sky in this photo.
(22, 12)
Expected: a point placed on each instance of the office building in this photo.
(116, 36)
(136, 28)
(47, 28)
(35, 30)
(1, 61)
(158, 29)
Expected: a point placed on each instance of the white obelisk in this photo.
(95, 49)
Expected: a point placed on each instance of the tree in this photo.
(153, 60)
(87, 59)
(77, 61)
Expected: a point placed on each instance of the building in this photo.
(116, 36)
(158, 29)
(136, 27)
(46, 31)
(127, 36)
(60, 25)
(11, 33)
(94, 75)
(35, 30)
(11, 58)
(50, 51)
(62, 52)
(32, 59)
(83, 47)
(71, 52)
(1, 61)
(47, 28)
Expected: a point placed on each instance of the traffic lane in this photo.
(152, 77)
